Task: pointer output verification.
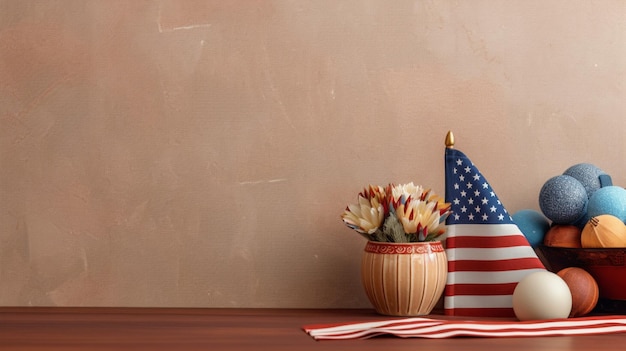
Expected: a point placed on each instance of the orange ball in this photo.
(604, 231)
(563, 235)
(584, 289)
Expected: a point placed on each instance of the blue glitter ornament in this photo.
(588, 175)
(563, 199)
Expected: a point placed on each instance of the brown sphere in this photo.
(584, 289)
(563, 235)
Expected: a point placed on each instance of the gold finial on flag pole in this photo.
(450, 140)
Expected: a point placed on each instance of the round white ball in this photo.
(542, 295)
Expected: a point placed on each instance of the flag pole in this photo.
(450, 140)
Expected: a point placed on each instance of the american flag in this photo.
(487, 253)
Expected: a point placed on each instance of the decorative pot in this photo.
(404, 279)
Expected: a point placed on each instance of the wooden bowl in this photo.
(606, 265)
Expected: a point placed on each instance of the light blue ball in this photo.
(563, 199)
(588, 175)
(608, 200)
(533, 225)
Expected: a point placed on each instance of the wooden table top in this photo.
(60, 328)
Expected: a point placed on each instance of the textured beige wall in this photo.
(199, 153)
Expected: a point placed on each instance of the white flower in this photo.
(366, 216)
(422, 215)
(404, 191)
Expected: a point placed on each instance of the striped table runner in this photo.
(430, 328)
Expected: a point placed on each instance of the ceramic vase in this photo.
(404, 279)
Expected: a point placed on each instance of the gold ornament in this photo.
(604, 231)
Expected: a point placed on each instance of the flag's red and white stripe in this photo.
(485, 263)
(438, 329)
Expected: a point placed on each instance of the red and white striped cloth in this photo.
(438, 329)
(487, 253)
